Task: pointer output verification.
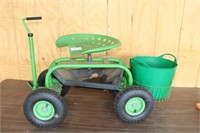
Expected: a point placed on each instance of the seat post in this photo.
(89, 57)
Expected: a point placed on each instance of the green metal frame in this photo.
(76, 63)
(83, 63)
(32, 56)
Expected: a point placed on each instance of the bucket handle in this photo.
(175, 60)
(141, 62)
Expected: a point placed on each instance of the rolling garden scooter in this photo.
(45, 106)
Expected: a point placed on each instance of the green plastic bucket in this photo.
(154, 73)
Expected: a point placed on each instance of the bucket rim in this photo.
(157, 68)
(160, 57)
(143, 64)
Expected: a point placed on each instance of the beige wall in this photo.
(145, 27)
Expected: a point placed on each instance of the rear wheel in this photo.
(114, 92)
(133, 104)
(41, 82)
(44, 108)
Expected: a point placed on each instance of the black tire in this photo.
(41, 82)
(114, 92)
(138, 113)
(56, 102)
(41, 77)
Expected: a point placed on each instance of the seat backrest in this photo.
(80, 44)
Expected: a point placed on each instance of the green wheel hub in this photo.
(43, 110)
(135, 106)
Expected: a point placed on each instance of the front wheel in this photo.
(133, 104)
(44, 108)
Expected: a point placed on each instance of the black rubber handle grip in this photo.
(33, 18)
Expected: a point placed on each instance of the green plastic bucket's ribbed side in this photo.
(154, 73)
